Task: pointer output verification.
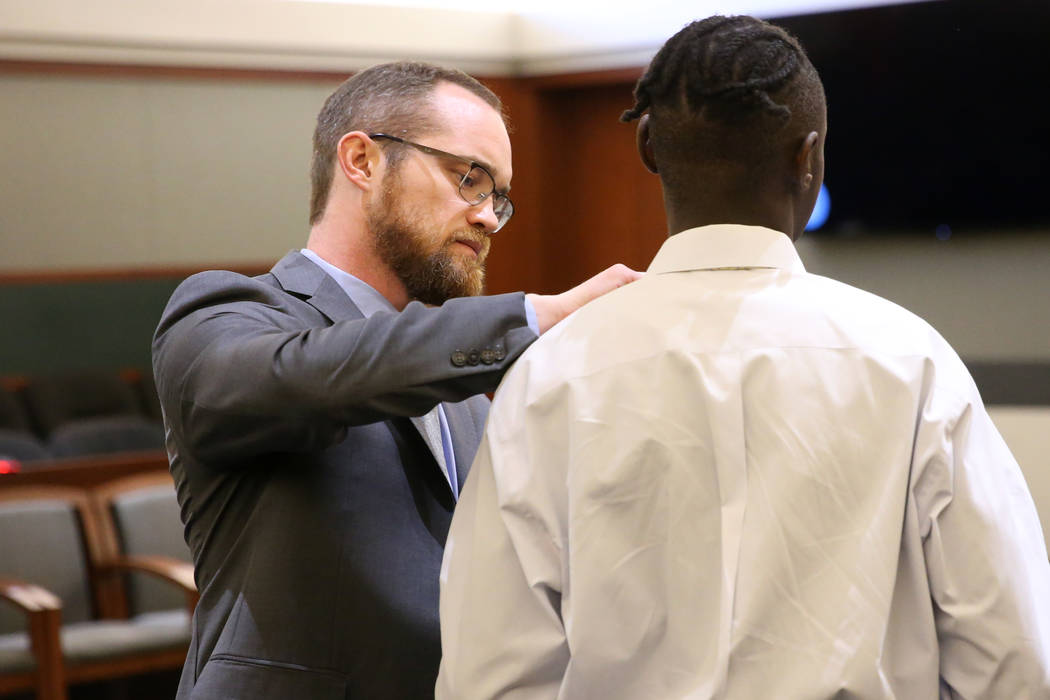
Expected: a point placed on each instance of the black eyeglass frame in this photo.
(497, 196)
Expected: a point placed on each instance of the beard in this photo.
(403, 241)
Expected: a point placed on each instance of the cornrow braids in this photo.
(725, 67)
(726, 98)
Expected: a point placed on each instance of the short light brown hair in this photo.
(391, 98)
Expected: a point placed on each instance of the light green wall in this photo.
(104, 172)
(138, 172)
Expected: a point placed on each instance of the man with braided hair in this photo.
(734, 479)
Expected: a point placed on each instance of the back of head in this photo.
(391, 98)
(726, 97)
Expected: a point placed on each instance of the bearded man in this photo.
(321, 418)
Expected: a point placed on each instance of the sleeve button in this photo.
(473, 357)
(459, 358)
(488, 356)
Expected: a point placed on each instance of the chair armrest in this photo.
(29, 597)
(43, 611)
(168, 568)
(174, 571)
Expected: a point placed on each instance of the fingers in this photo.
(604, 282)
(552, 308)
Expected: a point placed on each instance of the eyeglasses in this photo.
(475, 186)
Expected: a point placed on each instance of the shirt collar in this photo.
(722, 246)
(364, 296)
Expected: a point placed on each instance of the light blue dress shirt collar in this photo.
(364, 295)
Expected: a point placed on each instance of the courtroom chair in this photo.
(18, 442)
(105, 435)
(61, 625)
(13, 415)
(22, 446)
(90, 412)
(61, 398)
(139, 517)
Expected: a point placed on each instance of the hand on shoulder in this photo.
(551, 308)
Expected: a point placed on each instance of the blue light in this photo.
(820, 210)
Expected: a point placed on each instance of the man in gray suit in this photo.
(321, 418)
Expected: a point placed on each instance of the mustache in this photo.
(475, 238)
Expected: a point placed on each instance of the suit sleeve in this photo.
(985, 557)
(240, 372)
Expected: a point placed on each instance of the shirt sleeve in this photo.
(985, 557)
(502, 634)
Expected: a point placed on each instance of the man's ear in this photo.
(358, 157)
(645, 146)
(806, 161)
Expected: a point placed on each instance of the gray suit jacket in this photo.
(314, 509)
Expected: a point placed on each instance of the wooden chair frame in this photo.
(114, 563)
(106, 566)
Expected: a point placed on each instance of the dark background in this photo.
(936, 114)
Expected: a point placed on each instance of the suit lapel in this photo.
(298, 275)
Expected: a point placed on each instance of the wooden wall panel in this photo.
(582, 199)
(599, 204)
(516, 262)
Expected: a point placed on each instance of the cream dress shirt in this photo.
(735, 479)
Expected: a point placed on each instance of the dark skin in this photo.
(782, 199)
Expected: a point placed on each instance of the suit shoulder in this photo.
(209, 281)
(213, 287)
(217, 291)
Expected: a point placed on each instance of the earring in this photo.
(807, 181)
